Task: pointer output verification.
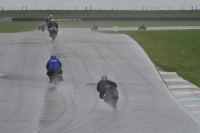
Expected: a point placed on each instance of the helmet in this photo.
(104, 77)
(50, 16)
(53, 56)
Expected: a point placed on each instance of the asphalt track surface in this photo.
(30, 104)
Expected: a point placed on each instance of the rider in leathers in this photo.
(52, 24)
(53, 64)
(101, 86)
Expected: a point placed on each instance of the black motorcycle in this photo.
(111, 96)
(53, 33)
(56, 77)
(143, 27)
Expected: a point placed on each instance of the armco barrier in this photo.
(3, 20)
(112, 19)
(29, 19)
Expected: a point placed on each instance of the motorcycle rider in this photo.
(51, 17)
(52, 24)
(42, 25)
(48, 20)
(101, 86)
(53, 64)
(95, 26)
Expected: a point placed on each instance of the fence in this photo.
(144, 8)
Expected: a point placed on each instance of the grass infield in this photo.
(172, 50)
(29, 26)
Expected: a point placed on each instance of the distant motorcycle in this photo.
(42, 27)
(143, 27)
(111, 96)
(94, 28)
(56, 77)
(53, 33)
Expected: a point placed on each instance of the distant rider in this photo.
(53, 64)
(95, 26)
(52, 24)
(101, 86)
(48, 20)
(41, 25)
(51, 17)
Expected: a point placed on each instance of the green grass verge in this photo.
(18, 27)
(175, 51)
(88, 24)
(29, 26)
(98, 13)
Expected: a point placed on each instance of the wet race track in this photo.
(30, 104)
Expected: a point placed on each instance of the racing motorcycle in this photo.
(41, 27)
(143, 27)
(94, 28)
(111, 96)
(56, 77)
(53, 33)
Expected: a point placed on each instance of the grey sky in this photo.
(96, 4)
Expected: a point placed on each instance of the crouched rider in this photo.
(53, 64)
(101, 86)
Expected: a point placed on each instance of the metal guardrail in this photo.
(3, 20)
